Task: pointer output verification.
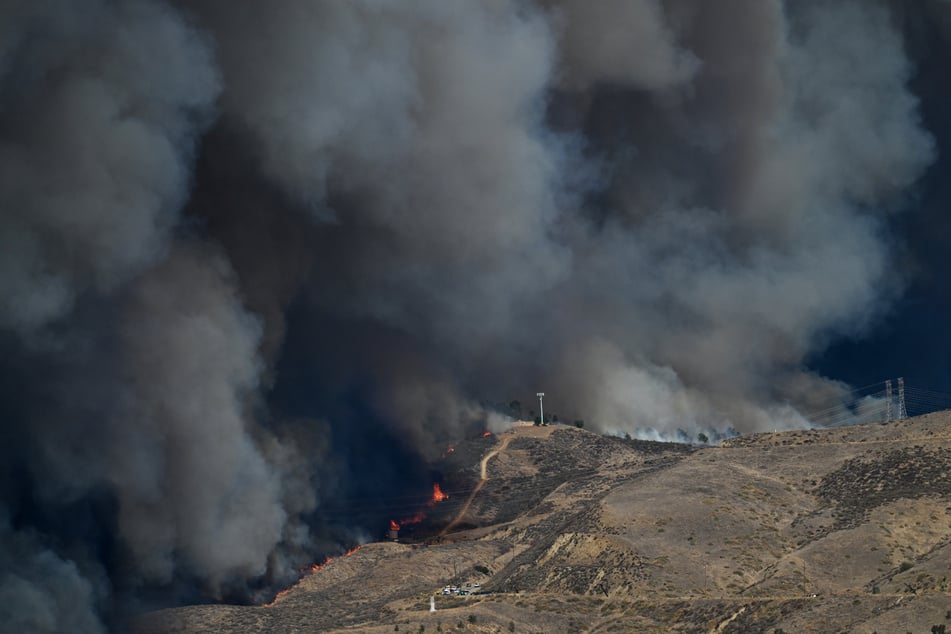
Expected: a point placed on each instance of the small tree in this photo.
(579, 424)
(702, 438)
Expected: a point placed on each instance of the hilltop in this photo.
(843, 529)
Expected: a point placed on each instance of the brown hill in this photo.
(843, 529)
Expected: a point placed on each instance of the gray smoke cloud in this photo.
(41, 592)
(623, 42)
(190, 368)
(722, 218)
(222, 224)
(100, 108)
(751, 229)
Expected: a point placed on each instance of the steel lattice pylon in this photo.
(888, 400)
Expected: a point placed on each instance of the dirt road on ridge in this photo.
(483, 474)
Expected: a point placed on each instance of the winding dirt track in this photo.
(483, 473)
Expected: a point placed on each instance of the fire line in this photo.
(305, 572)
(438, 496)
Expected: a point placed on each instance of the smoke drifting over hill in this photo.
(257, 255)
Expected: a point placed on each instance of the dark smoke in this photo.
(257, 259)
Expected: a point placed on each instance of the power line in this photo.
(879, 402)
(902, 412)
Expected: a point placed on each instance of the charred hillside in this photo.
(538, 462)
(812, 530)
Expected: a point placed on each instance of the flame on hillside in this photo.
(438, 496)
(486, 434)
(414, 519)
(308, 571)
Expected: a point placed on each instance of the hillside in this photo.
(843, 529)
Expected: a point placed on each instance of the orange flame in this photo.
(438, 496)
(451, 449)
(416, 519)
(280, 595)
(486, 434)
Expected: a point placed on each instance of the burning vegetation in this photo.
(438, 496)
(309, 571)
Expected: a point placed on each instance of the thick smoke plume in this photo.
(257, 256)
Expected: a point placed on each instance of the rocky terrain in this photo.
(835, 530)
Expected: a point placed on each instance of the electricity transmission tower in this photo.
(888, 400)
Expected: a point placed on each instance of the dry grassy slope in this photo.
(585, 533)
